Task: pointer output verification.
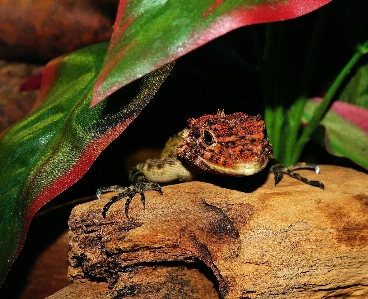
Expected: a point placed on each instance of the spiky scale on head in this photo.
(234, 144)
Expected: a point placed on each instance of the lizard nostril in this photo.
(208, 137)
(196, 134)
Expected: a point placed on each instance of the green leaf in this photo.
(356, 91)
(148, 34)
(53, 147)
(346, 130)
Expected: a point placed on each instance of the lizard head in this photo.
(234, 144)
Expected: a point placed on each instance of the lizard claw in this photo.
(129, 192)
(115, 199)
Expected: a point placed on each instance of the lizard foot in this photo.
(279, 170)
(140, 187)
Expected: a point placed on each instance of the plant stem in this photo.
(322, 108)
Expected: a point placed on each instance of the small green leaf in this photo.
(346, 130)
(356, 91)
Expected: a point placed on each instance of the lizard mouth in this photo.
(239, 169)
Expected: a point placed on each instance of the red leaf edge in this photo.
(261, 13)
(48, 79)
(31, 83)
(90, 154)
(351, 113)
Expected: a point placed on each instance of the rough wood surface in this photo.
(289, 241)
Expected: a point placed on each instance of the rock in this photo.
(199, 240)
(40, 30)
(14, 105)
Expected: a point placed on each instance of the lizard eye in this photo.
(208, 138)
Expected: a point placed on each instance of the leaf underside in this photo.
(149, 34)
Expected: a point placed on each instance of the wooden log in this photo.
(204, 241)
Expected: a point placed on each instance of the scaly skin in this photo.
(234, 144)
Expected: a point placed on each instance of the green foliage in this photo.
(285, 95)
(356, 91)
(343, 138)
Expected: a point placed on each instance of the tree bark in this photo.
(199, 240)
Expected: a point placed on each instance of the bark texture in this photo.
(202, 241)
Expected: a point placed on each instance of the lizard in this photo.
(234, 144)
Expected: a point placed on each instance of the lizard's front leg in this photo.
(279, 170)
(146, 176)
(140, 184)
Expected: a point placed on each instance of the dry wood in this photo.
(289, 241)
